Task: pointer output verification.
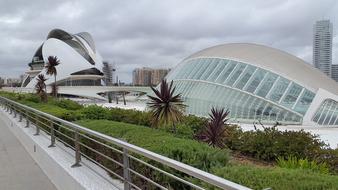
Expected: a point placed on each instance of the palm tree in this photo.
(214, 132)
(166, 107)
(51, 70)
(40, 87)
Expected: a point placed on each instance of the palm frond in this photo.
(53, 61)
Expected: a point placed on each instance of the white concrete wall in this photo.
(321, 95)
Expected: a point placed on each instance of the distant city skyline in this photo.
(160, 34)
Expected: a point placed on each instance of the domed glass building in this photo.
(256, 83)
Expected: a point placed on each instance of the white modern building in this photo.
(80, 63)
(256, 83)
(322, 46)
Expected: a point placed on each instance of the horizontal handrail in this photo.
(179, 166)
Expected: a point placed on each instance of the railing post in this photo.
(14, 113)
(77, 149)
(10, 111)
(52, 135)
(126, 173)
(27, 123)
(37, 126)
(27, 120)
(20, 117)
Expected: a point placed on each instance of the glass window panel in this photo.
(247, 107)
(190, 67)
(197, 66)
(184, 69)
(336, 123)
(235, 74)
(304, 102)
(289, 116)
(328, 117)
(334, 115)
(278, 89)
(211, 67)
(273, 113)
(194, 67)
(225, 73)
(291, 95)
(239, 104)
(253, 110)
(322, 117)
(333, 118)
(266, 112)
(281, 115)
(266, 85)
(255, 80)
(259, 110)
(318, 112)
(221, 63)
(204, 64)
(245, 77)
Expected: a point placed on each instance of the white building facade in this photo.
(80, 63)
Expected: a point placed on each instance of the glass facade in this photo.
(249, 92)
(327, 113)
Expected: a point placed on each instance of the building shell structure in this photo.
(256, 83)
(80, 63)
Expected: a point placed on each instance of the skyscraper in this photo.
(322, 46)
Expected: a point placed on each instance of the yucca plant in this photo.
(166, 107)
(53, 61)
(214, 132)
(40, 87)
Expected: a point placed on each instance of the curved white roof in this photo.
(274, 60)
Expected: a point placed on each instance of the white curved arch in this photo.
(275, 60)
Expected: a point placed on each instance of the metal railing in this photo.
(136, 167)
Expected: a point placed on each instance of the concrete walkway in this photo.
(18, 171)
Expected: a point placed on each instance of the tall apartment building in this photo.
(142, 76)
(157, 75)
(322, 46)
(148, 76)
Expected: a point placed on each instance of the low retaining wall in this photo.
(56, 162)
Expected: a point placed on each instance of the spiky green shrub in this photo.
(214, 132)
(166, 107)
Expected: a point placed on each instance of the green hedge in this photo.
(212, 160)
(270, 143)
(188, 151)
(277, 178)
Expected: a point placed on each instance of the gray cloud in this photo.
(159, 33)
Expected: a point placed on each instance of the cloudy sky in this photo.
(137, 33)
